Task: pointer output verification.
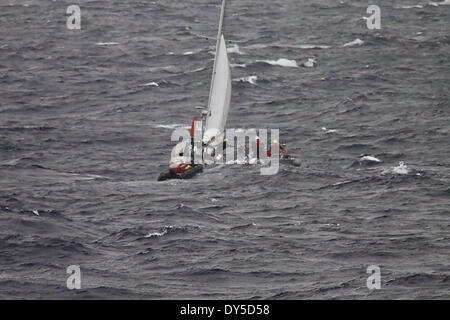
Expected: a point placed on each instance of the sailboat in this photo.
(213, 119)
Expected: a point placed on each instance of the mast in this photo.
(219, 34)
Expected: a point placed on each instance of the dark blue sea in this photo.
(86, 118)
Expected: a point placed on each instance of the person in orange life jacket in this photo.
(181, 167)
(283, 151)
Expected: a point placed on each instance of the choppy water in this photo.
(85, 124)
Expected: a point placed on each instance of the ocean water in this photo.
(85, 123)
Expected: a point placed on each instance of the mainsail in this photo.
(220, 91)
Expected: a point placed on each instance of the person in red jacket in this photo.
(275, 145)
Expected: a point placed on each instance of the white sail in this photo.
(220, 91)
(219, 102)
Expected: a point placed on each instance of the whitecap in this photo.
(237, 65)
(312, 46)
(94, 177)
(159, 234)
(234, 48)
(443, 3)
(150, 84)
(356, 42)
(11, 162)
(249, 79)
(411, 7)
(369, 158)
(106, 43)
(328, 131)
(310, 63)
(341, 183)
(155, 234)
(402, 168)
(170, 126)
(282, 63)
(85, 177)
(197, 70)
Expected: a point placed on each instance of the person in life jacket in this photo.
(282, 151)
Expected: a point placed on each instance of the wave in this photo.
(171, 229)
(436, 4)
(281, 63)
(249, 79)
(25, 128)
(368, 158)
(356, 42)
(290, 46)
(106, 44)
(401, 168)
(161, 233)
(421, 6)
(410, 6)
(310, 63)
(150, 84)
(365, 160)
(307, 46)
(171, 126)
(234, 48)
(237, 65)
(328, 131)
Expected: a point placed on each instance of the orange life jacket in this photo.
(182, 168)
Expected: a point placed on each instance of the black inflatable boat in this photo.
(186, 174)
